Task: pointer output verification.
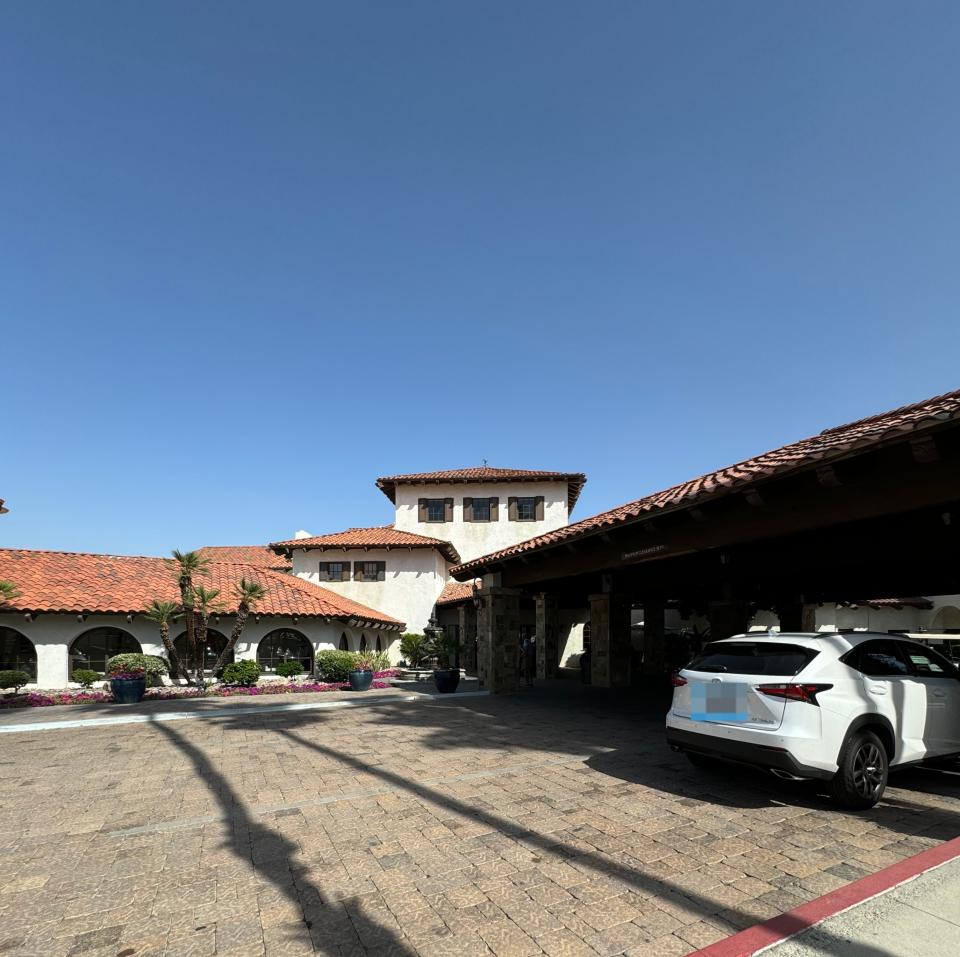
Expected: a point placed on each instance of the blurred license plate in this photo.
(719, 701)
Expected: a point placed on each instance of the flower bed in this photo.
(44, 699)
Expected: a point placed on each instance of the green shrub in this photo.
(415, 649)
(290, 669)
(380, 660)
(86, 677)
(334, 665)
(244, 673)
(13, 679)
(153, 665)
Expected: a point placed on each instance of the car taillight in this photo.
(806, 693)
(678, 681)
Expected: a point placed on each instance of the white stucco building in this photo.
(440, 519)
(76, 610)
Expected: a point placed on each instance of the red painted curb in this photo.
(787, 925)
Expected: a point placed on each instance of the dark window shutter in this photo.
(512, 508)
(494, 509)
(448, 509)
(538, 504)
(422, 510)
(468, 509)
(324, 571)
(358, 571)
(381, 571)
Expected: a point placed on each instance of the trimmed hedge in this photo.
(334, 665)
(290, 669)
(86, 677)
(245, 673)
(13, 679)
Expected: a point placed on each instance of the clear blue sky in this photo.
(254, 255)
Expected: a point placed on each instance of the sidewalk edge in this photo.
(784, 926)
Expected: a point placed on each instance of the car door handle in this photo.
(939, 693)
(876, 689)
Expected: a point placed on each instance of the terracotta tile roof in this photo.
(455, 592)
(383, 536)
(829, 444)
(83, 583)
(575, 480)
(262, 556)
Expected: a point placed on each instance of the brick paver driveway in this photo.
(552, 821)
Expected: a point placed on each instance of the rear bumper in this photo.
(743, 752)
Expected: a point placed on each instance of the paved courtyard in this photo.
(554, 822)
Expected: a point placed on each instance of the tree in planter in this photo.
(248, 593)
(189, 565)
(163, 612)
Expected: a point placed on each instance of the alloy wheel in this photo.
(868, 770)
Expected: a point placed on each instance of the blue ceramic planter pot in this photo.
(446, 679)
(128, 690)
(360, 680)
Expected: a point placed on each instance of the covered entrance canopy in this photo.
(866, 510)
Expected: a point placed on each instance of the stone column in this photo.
(468, 637)
(654, 637)
(548, 652)
(728, 618)
(498, 632)
(610, 640)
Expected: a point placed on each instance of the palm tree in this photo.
(188, 565)
(249, 593)
(8, 591)
(205, 604)
(163, 612)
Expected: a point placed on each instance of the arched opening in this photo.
(947, 620)
(216, 642)
(17, 653)
(379, 644)
(95, 647)
(344, 644)
(363, 642)
(282, 645)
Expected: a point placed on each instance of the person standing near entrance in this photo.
(528, 651)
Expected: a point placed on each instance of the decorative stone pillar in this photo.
(468, 637)
(548, 652)
(498, 636)
(728, 618)
(654, 637)
(609, 640)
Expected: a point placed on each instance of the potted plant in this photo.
(361, 674)
(128, 683)
(444, 646)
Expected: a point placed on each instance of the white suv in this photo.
(843, 707)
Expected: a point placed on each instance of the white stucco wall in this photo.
(413, 580)
(473, 539)
(53, 634)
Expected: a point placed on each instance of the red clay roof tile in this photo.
(832, 442)
(455, 592)
(262, 556)
(383, 536)
(86, 583)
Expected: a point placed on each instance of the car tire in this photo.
(703, 761)
(862, 772)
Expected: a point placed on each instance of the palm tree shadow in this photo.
(630, 877)
(330, 926)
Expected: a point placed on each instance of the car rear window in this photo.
(753, 658)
